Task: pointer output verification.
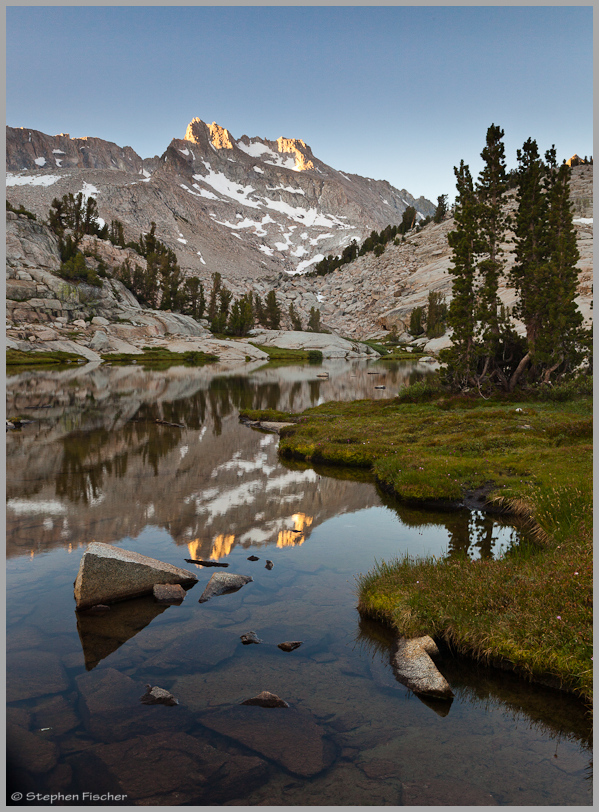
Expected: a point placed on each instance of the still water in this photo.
(95, 465)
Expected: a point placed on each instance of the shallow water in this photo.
(95, 465)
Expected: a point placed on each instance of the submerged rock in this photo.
(191, 653)
(290, 645)
(158, 696)
(108, 574)
(222, 583)
(169, 593)
(250, 637)
(291, 739)
(34, 673)
(414, 668)
(170, 768)
(266, 700)
(29, 751)
(98, 609)
(111, 710)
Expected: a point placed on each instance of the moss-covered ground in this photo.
(531, 609)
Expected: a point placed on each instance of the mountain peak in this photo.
(198, 132)
(300, 151)
(202, 134)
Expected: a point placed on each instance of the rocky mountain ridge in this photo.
(362, 299)
(248, 208)
(367, 297)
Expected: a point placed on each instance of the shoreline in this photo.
(529, 612)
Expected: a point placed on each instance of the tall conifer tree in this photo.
(461, 358)
(492, 221)
(561, 319)
(545, 275)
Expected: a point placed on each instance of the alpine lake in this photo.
(158, 462)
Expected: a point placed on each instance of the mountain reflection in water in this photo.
(107, 468)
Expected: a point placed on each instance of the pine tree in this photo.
(559, 335)
(213, 301)
(435, 314)
(241, 319)
(148, 290)
(461, 358)
(294, 318)
(218, 307)
(531, 247)
(492, 221)
(416, 319)
(441, 209)
(57, 216)
(116, 234)
(314, 325)
(259, 310)
(194, 300)
(408, 220)
(272, 313)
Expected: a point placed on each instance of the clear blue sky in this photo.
(392, 92)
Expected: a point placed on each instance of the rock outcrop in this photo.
(331, 346)
(108, 574)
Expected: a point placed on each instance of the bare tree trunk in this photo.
(518, 372)
(550, 370)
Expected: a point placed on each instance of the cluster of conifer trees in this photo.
(375, 243)
(430, 319)
(79, 216)
(486, 350)
(161, 284)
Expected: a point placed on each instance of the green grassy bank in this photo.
(531, 610)
(160, 358)
(19, 361)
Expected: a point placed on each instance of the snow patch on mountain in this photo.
(306, 263)
(291, 189)
(255, 148)
(229, 188)
(203, 193)
(31, 180)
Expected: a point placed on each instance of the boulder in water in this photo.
(108, 574)
(415, 669)
(222, 583)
